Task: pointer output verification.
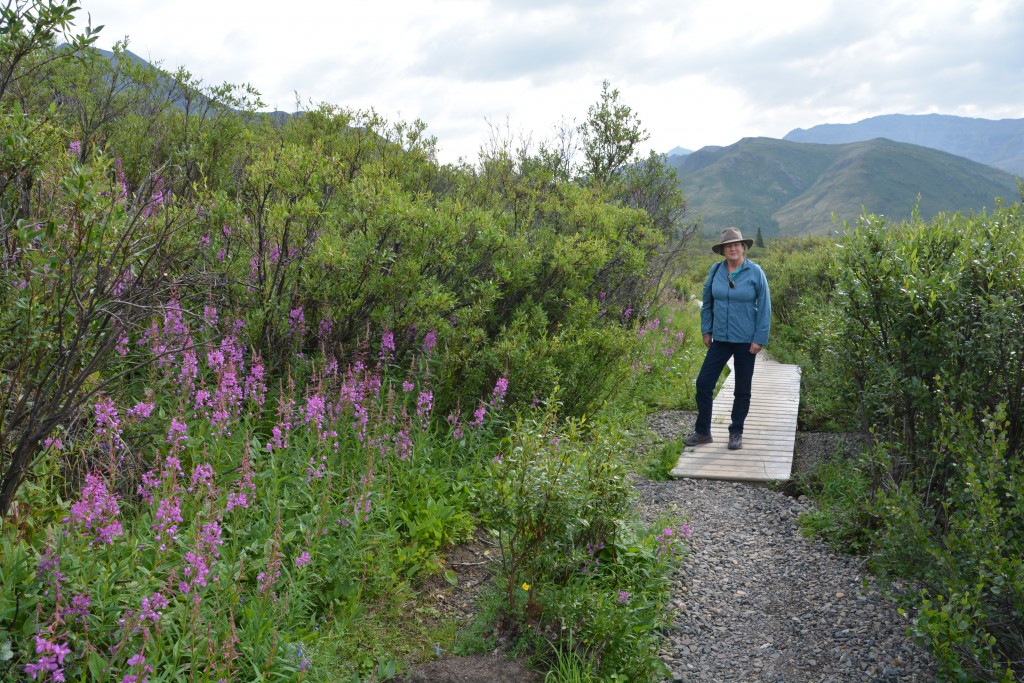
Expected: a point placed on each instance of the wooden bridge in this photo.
(769, 433)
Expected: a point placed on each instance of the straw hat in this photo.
(730, 235)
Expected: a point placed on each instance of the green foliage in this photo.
(969, 556)
(251, 349)
(669, 356)
(931, 315)
(666, 457)
(843, 513)
(572, 565)
(807, 329)
(920, 323)
(569, 665)
(611, 135)
(86, 263)
(29, 30)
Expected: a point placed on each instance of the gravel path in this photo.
(758, 602)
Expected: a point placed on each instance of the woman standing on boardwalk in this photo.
(735, 320)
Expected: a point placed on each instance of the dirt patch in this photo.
(473, 566)
(815, 448)
(472, 669)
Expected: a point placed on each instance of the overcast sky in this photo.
(696, 72)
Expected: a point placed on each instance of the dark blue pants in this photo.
(743, 366)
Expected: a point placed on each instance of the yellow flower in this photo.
(526, 586)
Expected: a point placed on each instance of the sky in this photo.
(695, 72)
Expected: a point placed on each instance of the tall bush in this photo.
(931, 314)
(930, 317)
(85, 263)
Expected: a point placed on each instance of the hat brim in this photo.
(719, 247)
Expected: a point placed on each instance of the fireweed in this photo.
(255, 515)
(265, 509)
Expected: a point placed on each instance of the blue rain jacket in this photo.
(740, 314)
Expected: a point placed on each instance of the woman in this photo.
(735, 320)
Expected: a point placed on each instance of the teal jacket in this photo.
(740, 314)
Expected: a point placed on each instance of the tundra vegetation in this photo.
(911, 331)
(259, 375)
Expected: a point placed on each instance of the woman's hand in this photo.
(755, 348)
(707, 340)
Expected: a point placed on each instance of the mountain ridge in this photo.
(995, 142)
(794, 188)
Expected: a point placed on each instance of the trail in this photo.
(756, 601)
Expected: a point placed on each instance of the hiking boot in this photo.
(735, 442)
(696, 439)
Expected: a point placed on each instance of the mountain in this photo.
(792, 188)
(996, 143)
(167, 84)
(678, 152)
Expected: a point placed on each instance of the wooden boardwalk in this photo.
(769, 433)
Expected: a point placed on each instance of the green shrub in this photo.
(928, 312)
(918, 336)
(202, 307)
(843, 514)
(968, 556)
(572, 563)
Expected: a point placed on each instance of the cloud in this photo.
(696, 72)
(884, 59)
(538, 45)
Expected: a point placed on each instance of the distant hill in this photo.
(166, 81)
(678, 152)
(996, 143)
(790, 188)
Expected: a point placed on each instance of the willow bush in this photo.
(255, 370)
(929, 317)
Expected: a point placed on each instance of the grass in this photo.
(569, 666)
(664, 459)
(842, 492)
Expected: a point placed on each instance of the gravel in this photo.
(756, 601)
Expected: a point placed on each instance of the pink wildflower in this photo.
(297, 322)
(168, 516)
(177, 435)
(202, 475)
(500, 387)
(95, 514)
(51, 659)
(429, 342)
(141, 411)
(107, 421)
(478, 416)
(387, 346)
(255, 388)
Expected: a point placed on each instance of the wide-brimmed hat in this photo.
(730, 235)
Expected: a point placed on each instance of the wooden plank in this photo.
(769, 435)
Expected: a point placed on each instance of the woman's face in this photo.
(734, 251)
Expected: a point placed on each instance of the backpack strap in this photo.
(714, 273)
